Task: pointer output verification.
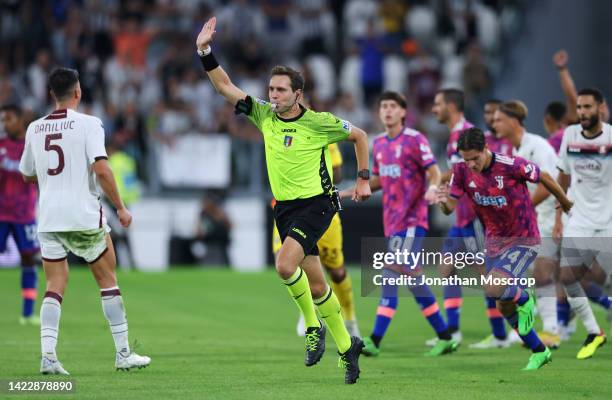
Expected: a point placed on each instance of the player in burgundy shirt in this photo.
(497, 187)
(405, 169)
(467, 233)
(18, 207)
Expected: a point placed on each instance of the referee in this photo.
(299, 167)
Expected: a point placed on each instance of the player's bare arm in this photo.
(218, 77)
(106, 178)
(445, 177)
(434, 177)
(556, 190)
(443, 198)
(360, 139)
(563, 180)
(561, 59)
(539, 195)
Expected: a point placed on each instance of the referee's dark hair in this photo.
(555, 110)
(454, 96)
(395, 96)
(62, 81)
(471, 139)
(596, 93)
(297, 80)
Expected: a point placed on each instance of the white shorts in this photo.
(89, 244)
(549, 249)
(582, 246)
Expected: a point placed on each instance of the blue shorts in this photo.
(513, 262)
(469, 238)
(24, 235)
(411, 240)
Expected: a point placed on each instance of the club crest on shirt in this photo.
(398, 151)
(288, 140)
(500, 181)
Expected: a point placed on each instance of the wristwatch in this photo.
(364, 174)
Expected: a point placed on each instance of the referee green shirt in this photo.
(297, 156)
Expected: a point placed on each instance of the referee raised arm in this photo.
(299, 167)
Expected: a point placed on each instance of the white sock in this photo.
(50, 312)
(112, 305)
(547, 307)
(580, 304)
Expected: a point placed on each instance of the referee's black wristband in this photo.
(209, 62)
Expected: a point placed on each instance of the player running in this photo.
(467, 233)
(586, 166)
(18, 208)
(332, 257)
(508, 122)
(299, 167)
(406, 172)
(496, 186)
(64, 152)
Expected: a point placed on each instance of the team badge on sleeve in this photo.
(530, 171)
(346, 125)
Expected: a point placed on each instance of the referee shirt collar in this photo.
(303, 111)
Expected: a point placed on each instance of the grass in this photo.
(217, 334)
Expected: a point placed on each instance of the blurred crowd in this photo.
(140, 74)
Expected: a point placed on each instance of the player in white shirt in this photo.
(586, 165)
(65, 154)
(508, 123)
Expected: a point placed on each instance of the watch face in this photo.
(365, 174)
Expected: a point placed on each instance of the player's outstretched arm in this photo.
(217, 75)
(106, 178)
(374, 187)
(561, 59)
(556, 190)
(539, 195)
(360, 139)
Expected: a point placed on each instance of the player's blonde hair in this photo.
(515, 109)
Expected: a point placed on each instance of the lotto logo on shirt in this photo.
(498, 201)
(391, 170)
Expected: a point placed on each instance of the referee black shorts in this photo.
(305, 220)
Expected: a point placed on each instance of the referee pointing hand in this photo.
(299, 167)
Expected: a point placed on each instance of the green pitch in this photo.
(215, 334)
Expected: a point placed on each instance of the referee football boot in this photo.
(124, 362)
(349, 361)
(50, 366)
(315, 345)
